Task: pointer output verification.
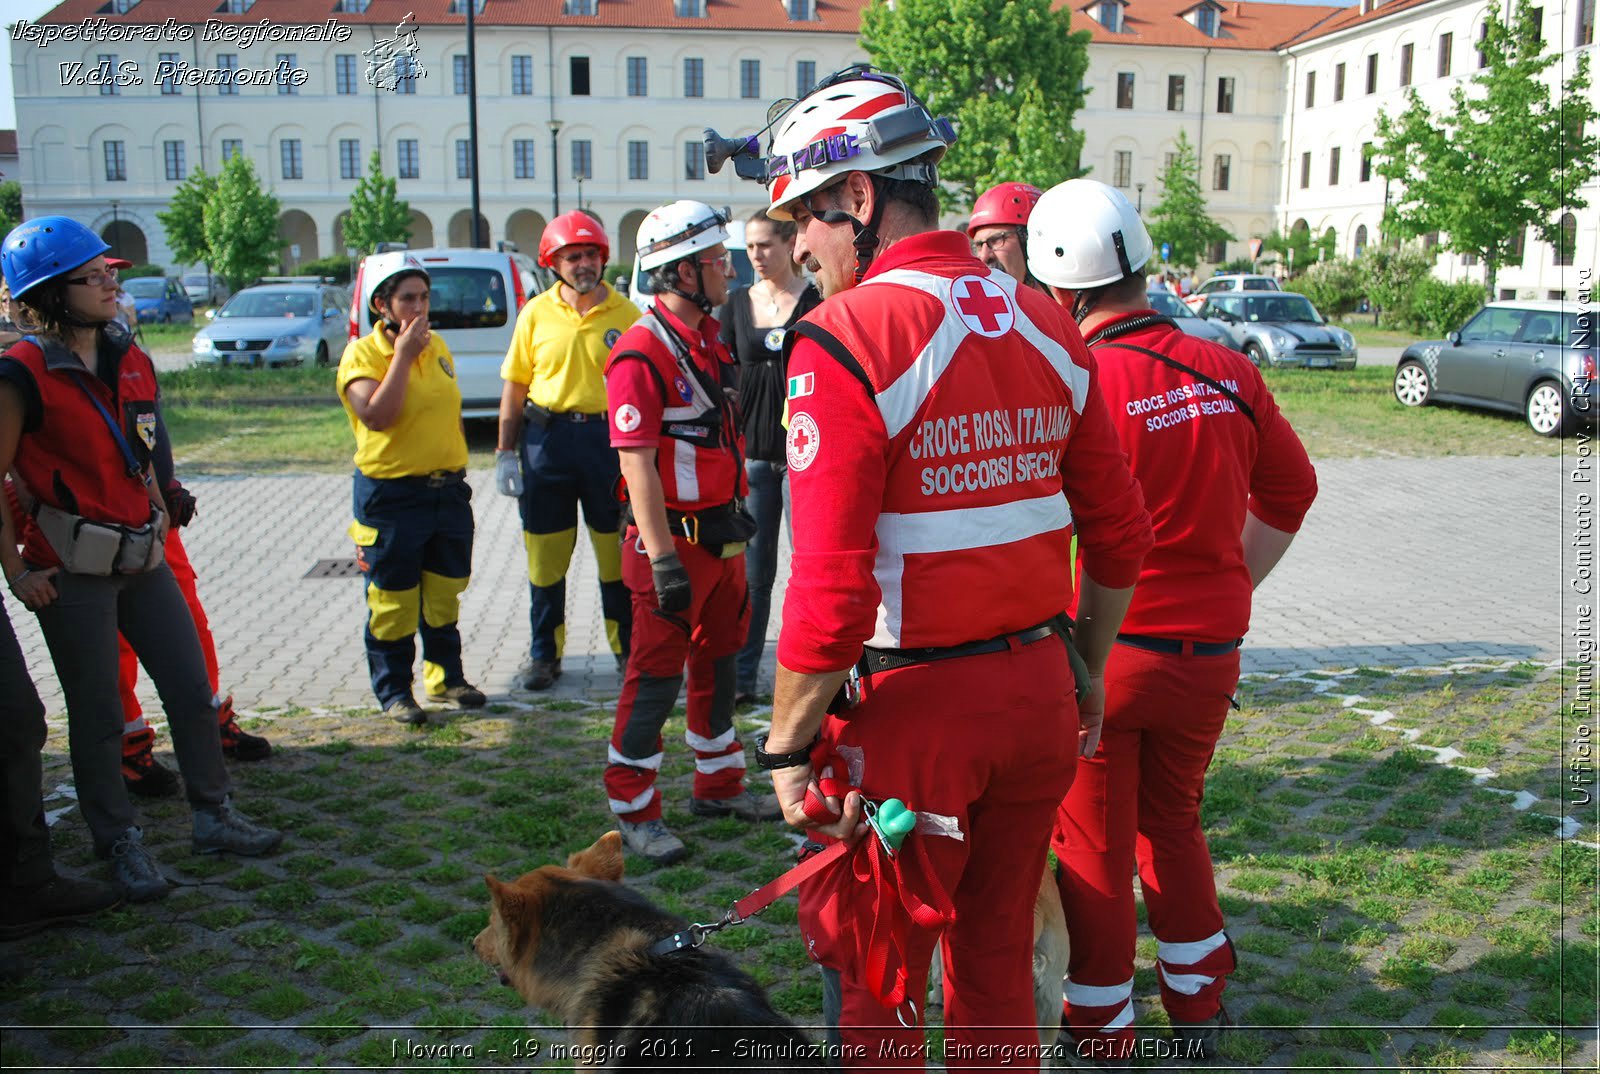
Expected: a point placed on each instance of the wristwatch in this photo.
(767, 762)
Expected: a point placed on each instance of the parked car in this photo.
(643, 293)
(205, 290)
(1532, 357)
(1281, 329)
(1170, 305)
(473, 304)
(1231, 281)
(159, 300)
(285, 322)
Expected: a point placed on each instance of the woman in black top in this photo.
(755, 321)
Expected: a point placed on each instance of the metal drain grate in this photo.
(334, 568)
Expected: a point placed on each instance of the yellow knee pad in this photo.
(549, 554)
(392, 613)
(441, 598)
(607, 547)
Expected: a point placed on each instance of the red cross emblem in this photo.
(983, 306)
(803, 441)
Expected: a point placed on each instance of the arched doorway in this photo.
(459, 231)
(524, 227)
(626, 233)
(1330, 243)
(421, 231)
(127, 241)
(297, 240)
(1361, 239)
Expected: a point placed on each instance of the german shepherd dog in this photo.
(575, 942)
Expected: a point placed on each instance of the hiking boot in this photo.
(650, 839)
(536, 675)
(238, 743)
(406, 710)
(1203, 1037)
(147, 777)
(221, 827)
(134, 871)
(743, 805)
(464, 695)
(58, 901)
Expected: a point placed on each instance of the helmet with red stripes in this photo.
(1006, 204)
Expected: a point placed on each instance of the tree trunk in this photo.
(1491, 269)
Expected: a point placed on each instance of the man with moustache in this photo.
(554, 408)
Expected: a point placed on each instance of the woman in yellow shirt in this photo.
(413, 507)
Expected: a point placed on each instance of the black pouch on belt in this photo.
(535, 414)
(1080, 670)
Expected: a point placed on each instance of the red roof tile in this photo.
(1352, 16)
(1244, 25)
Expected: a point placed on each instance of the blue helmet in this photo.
(44, 248)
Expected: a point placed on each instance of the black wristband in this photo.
(768, 762)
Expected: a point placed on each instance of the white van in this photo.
(473, 304)
(641, 291)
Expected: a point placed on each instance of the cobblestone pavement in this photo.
(1401, 561)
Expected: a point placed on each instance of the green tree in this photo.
(1179, 219)
(1390, 278)
(1334, 286)
(241, 225)
(1008, 72)
(10, 206)
(376, 212)
(185, 218)
(1306, 251)
(1502, 158)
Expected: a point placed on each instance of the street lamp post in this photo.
(555, 180)
(580, 192)
(115, 225)
(1140, 188)
(478, 240)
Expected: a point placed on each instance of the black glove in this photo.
(672, 583)
(180, 504)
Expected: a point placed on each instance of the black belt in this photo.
(437, 479)
(876, 660)
(543, 415)
(1179, 647)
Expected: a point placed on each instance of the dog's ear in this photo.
(602, 861)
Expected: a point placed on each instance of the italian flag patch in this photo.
(802, 386)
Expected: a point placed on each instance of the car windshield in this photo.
(1170, 305)
(1281, 309)
(269, 304)
(150, 287)
(460, 297)
(194, 281)
(1260, 285)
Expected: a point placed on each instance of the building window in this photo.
(107, 63)
(1166, 162)
(805, 76)
(349, 158)
(1109, 15)
(1224, 95)
(1333, 166)
(522, 158)
(1519, 246)
(459, 7)
(238, 7)
(1366, 162)
(351, 7)
(169, 78)
(1174, 93)
(1221, 171)
(1205, 20)
(694, 160)
(1122, 169)
(408, 159)
(578, 75)
(582, 158)
(1217, 252)
(638, 77)
(694, 77)
(227, 62)
(802, 10)
(638, 160)
(1536, 20)
(1311, 89)
(1305, 170)
(689, 9)
(1445, 43)
(289, 158)
(458, 75)
(749, 78)
(1583, 32)
(231, 147)
(1361, 240)
(522, 76)
(463, 158)
(1372, 72)
(1566, 242)
(122, 7)
(1338, 81)
(577, 7)
(405, 72)
(288, 62)
(172, 156)
(344, 75)
(1407, 52)
(1124, 89)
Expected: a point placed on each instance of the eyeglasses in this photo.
(994, 243)
(723, 260)
(96, 279)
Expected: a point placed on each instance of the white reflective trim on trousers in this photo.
(1082, 995)
(138, 724)
(652, 762)
(619, 807)
(708, 765)
(900, 401)
(1185, 984)
(683, 470)
(1190, 951)
(1124, 1018)
(709, 745)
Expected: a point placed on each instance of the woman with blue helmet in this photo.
(79, 431)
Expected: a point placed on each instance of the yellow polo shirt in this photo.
(560, 354)
(427, 435)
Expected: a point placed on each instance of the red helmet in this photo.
(572, 229)
(1008, 203)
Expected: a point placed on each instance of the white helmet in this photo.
(858, 120)
(675, 231)
(1085, 234)
(381, 267)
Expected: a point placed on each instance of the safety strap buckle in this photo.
(690, 525)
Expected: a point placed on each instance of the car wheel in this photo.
(1546, 409)
(1257, 356)
(1411, 384)
(322, 353)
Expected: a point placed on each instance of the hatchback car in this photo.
(1532, 357)
(1224, 282)
(158, 300)
(1170, 305)
(474, 299)
(1281, 329)
(205, 290)
(275, 324)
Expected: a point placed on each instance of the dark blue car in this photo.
(159, 301)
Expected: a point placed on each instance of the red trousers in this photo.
(982, 748)
(706, 637)
(1139, 799)
(136, 734)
